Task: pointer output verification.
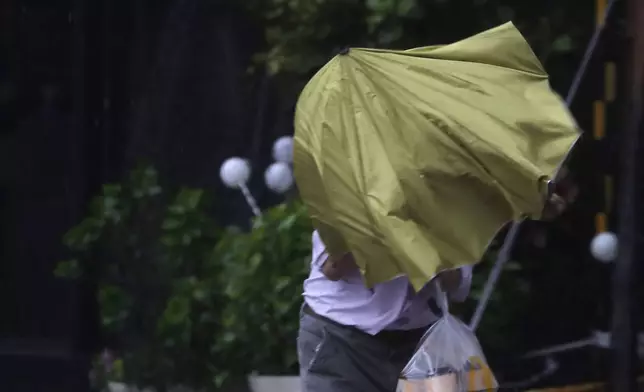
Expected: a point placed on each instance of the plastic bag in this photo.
(449, 358)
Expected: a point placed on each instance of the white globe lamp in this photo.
(604, 247)
(235, 172)
(279, 177)
(283, 149)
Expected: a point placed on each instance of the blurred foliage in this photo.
(152, 255)
(264, 272)
(183, 303)
(105, 369)
(263, 276)
(301, 35)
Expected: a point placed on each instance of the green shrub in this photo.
(152, 255)
(264, 272)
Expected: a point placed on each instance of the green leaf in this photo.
(138, 194)
(274, 65)
(220, 378)
(112, 190)
(169, 240)
(282, 282)
(177, 209)
(228, 337)
(287, 223)
(374, 21)
(84, 234)
(172, 223)
(406, 7)
(200, 294)
(381, 6)
(563, 44)
(68, 269)
(154, 190)
(229, 320)
(150, 173)
(117, 372)
(282, 308)
(177, 310)
(232, 291)
(115, 306)
(275, 13)
(255, 261)
(186, 285)
(189, 198)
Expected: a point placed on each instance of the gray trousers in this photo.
(336, 358)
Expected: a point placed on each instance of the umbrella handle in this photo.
(504, 256)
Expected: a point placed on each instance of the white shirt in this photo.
(391, 305)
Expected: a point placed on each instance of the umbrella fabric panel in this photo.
(413, 160)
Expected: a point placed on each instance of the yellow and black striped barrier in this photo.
(599, 123)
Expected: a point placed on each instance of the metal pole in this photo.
(504, 256)
(625, 307)
(588, 54)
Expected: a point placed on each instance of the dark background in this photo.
(89, 88)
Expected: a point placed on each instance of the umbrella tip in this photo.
(344, 51)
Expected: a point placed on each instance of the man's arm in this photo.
(319, 254)
(336, 268)
(333, 267)
(457, 283)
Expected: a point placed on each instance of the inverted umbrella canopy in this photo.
(414, 160)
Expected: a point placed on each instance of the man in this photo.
(356, 339)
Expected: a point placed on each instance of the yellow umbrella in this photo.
(413, 160)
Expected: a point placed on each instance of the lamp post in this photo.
(278, 177)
